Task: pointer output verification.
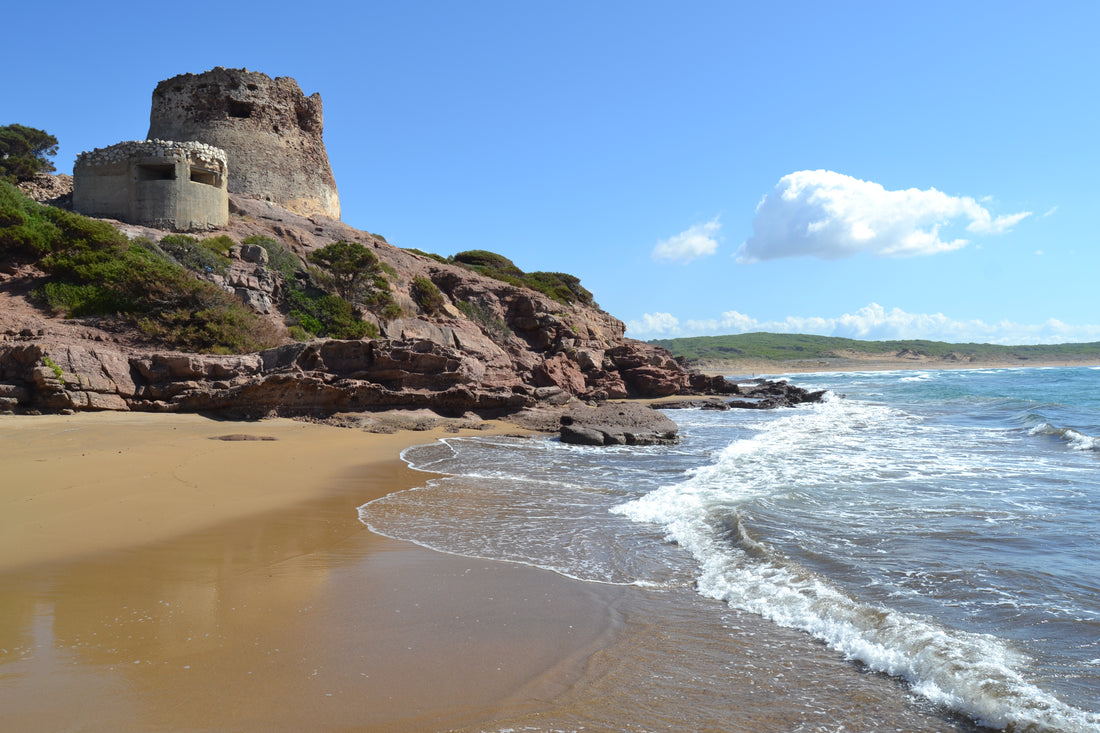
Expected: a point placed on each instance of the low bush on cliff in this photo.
(29, 230)
(430, 255)
(279, 258)
(565, 289)
(322, 314)
(206, 256)
(427, 295)
(356, 275)
(560, 286)
(203, 318)
(488, 263)
(353, 270)
(94, 270)
(494, 327)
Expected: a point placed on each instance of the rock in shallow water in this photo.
(616, 424)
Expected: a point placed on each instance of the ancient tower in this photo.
(270, 131)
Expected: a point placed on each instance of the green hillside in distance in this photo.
(781, 347)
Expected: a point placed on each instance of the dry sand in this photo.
(152, 578)
(78, 484)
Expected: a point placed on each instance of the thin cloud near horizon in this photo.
(873, 322)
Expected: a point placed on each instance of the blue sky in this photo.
(862, 169)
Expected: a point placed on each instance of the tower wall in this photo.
(270, 131)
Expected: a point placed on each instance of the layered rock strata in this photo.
(318, 378)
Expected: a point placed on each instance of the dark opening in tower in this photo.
(242, 110)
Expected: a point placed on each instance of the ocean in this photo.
(929, 533)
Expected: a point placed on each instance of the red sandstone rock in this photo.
(560, 371)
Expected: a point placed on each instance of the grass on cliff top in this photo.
(95, 270)
(559, 286)
(787, 347)
(562, 287)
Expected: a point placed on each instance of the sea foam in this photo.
(976, 674)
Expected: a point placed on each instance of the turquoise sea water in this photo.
(938, 527)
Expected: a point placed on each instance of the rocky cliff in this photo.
(487, 346)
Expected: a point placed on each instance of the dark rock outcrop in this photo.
(759, 394)
(763, 394)
(616, 423)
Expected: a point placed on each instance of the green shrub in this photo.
(221, 244)
(480, 260)
(126, 279)
(95, 270)
(560, 286)
(279, 258)
(438, 258)
(328, 315)
(53, 367)
(209, 255)
(565, 289)
(352, 267)
(391, 311)
(30, 230)
(494, 327)
(23, 152)
(356, 275)
(74, 301)
(226, 327)
(427, 295)
(23, 232)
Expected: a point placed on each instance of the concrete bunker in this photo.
(181, 186)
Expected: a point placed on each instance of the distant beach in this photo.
(857, 362)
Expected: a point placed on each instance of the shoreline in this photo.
(275, 609)
(153, 578)
(93, 482)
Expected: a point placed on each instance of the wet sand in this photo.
(154, 579)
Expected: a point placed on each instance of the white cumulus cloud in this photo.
(872, 323)
(656, 325)
(832, 216)
(698, 241)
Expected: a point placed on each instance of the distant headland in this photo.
(771, 353)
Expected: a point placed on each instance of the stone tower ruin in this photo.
(269, 129)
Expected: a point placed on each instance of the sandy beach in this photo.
(155, 578)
